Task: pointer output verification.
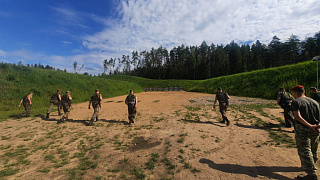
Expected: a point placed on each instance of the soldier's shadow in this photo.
(114, 121)
(253, 171)
(202, 122)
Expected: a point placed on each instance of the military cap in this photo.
(97, 90)
(68, 92)
(297, 88)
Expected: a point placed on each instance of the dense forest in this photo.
(208, 61)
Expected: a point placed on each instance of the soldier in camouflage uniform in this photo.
(26, 102)
(307, 116)
(284, 100)
(66, 101)
(315, 94)
(131, 101)
(55, 100)
(223, 99)
(95, 100)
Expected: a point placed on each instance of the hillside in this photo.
(17, 81)
(261, 83)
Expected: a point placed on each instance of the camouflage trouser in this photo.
(288, 117)
(66, 110)
(132, 112)
(27, 108)
(53, 103)
(223, 110)
(307, 144)
(95, 112)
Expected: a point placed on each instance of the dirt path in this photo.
(177, 135)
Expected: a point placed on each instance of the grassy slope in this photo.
(17, 81)
(262, 83)
(149, 83)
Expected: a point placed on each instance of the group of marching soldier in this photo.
(65, 103)
(299, 110)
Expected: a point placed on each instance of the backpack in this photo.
(55, 97)
(286, 99)
(222, 97)
(131, 98)
(25, 100)
(95, 97)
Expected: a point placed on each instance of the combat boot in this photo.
(61, 120)
(47, 116)
(59, 114)
(228, 122)
(97, 118)
(308, 177)
(91, 122)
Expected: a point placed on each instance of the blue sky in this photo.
(59, 32)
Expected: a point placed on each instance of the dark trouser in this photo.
(223, 110)
(132, 112)
(288, 116)
(66, 109)
(53, 103)
(307, 144)
(27, 108)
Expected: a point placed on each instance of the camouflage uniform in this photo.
(222, 97)
(66, 105)
(95, 101)
(27, 105)
(54, 101)
(132, 110)
(285, 103)
(306, 139)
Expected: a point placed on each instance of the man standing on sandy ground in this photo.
(95, 99)
(223, 99)
(55, 100)
(315, 94)
(284, 99)
(132, 102)
(26, 102)
(66, 101)
(306, 113)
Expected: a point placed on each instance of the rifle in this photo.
(99, 101)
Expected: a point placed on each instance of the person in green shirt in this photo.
(306, 113)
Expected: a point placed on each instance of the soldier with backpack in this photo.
(95, 100)
(55, 100)
(66, 101)
(131, 101)
(223, 99)
(26, 102)
(284, 100)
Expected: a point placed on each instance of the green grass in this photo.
(17, 81)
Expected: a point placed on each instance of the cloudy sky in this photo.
(60, 32)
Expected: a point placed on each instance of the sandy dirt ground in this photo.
(176, 135)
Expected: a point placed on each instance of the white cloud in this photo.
(143, 24)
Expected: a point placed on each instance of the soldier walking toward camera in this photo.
(26, 102)
(95, 100)
(66, 101)
(131, 101)
(306, 114)
(55, 100)
(223, 99)
(284, 99)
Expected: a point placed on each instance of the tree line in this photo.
(209, 61)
